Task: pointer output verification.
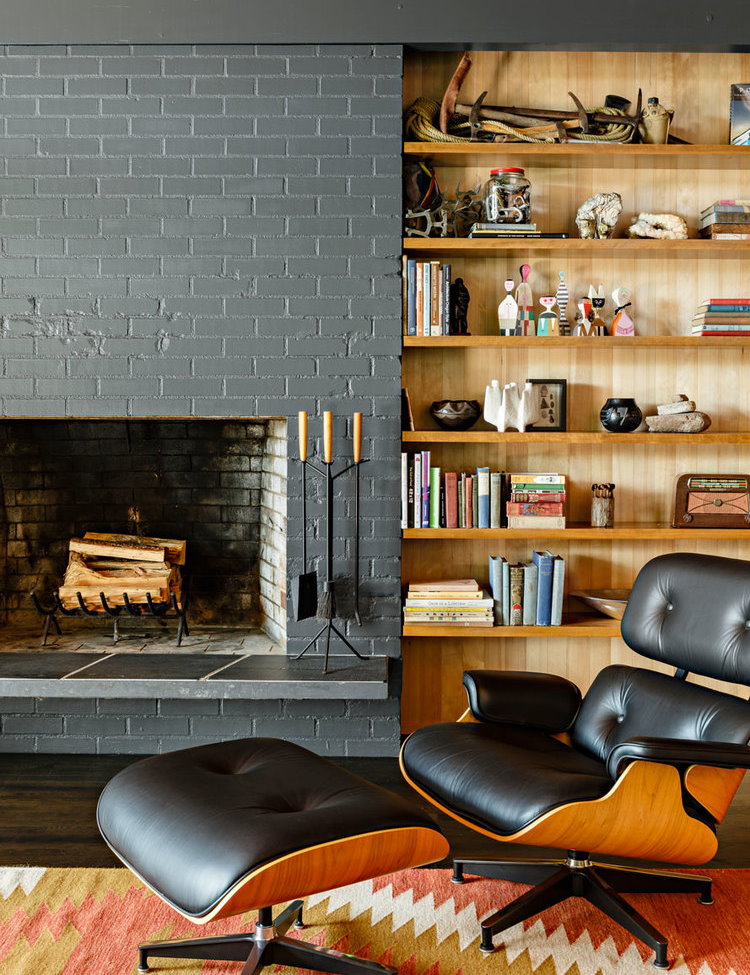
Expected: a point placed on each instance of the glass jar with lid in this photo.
(507, 196)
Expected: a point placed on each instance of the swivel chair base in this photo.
(598, 883)
(266, 945)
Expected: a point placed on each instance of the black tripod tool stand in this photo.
(327, 605)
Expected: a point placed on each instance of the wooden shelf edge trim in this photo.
(601, 248)
(576, 437)
(577, 532)
(447, 151)
(572, 341)
(590, 627)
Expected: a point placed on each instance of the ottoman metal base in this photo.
(266, 945)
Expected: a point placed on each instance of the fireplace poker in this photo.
(304, 587)
(357, 451)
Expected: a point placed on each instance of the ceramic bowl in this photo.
(455, 414)
(610, 602)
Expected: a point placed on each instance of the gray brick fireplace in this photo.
(211, 232)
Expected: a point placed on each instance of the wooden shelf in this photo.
(544, 342)
(616, 247)
(573, 626)
(461, 438)
(640, 531)
(484, 154)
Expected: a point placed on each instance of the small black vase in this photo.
(620, 415)
(455, 414)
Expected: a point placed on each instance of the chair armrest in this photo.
(542, 701)
(677, 752)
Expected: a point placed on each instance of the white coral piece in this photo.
(664, 226)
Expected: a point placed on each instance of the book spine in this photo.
(425, 489)
(446, 299)
(404, 490)
(410, 518)
(506, 592)
(419, 297)
(434, 297)
(534, 508)
(536, 479)
(516, 595)
(536, 521)
(417, 465)
(543, 562)
(469, 500)
(495, 499)
(496, 587)
(411, 297)
(426, 297)
(529, 594)
(434, 497)
(475, 502)
(475, 605)
(462, 501)
(483, 497)
(451, 500)
(537, 497)
(558, 590)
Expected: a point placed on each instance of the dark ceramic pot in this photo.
(620, 416)
(455, 414)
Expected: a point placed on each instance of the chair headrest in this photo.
(693, 612)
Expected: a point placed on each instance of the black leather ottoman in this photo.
(223, 829)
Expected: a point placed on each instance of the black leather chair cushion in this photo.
(500, 777)
(542, 701)
(628, 702)
(194, 822)
(693, 611)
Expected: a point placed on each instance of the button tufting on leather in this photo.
(747, 624)
(669, 607)
(620, 718)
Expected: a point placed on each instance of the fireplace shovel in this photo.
(304, 588)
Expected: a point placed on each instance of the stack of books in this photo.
(536, 501)
(458, 602)
(528, 593)
(426, 297)
(726, 220)
(722, 316)
(484, 230)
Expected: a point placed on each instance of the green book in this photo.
(434, 497)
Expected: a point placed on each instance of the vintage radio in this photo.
(712, 501)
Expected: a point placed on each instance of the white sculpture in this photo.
(598, 215)
(511, 408)
(662, 226)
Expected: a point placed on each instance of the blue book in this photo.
(411, 297)
(544, 561)
(497, 564)
(483, 497)
(530, 573)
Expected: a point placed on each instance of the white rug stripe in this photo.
(24, 877)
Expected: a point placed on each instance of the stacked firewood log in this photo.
(117, 564)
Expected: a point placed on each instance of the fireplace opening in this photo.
(217, 484)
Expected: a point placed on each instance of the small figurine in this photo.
(459, 307)
(548, 323)
(493, 402)
(622, 323)
(507, 311)
(525, 300)
(598, 326)
(584, 326)
(563, 297)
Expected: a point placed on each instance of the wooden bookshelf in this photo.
(668, 280)
(573, 438)
(580, 532)
(577, 626)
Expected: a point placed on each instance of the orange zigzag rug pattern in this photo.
(89, 922)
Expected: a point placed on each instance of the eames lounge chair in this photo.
(644, 766)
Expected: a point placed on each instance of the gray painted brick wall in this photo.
(213, 231)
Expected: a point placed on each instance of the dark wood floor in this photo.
(48, 806)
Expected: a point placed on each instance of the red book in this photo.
(451, 500)
(469, 501)
(538, 497)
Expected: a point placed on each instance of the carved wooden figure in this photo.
(584, 326)
(598, 325)
(562, 297)
(622, 323)
(507, 311)
(525, 300)
(548, 323)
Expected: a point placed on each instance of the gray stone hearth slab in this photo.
(184, 676)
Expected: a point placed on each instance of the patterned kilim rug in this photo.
(88, 922)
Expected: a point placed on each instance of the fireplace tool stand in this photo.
(327, 606)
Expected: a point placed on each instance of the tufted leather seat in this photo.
(644, 766)
(220, 829)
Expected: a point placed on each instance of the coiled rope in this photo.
(422, 115)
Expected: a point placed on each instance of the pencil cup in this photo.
(602, 512)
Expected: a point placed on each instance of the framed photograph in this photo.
(739, 115)
(552, 402)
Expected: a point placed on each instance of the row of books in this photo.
(427, 297)
(722, 316)
(431, 498)
(528, 593)
(726, 220)
(458, 602)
